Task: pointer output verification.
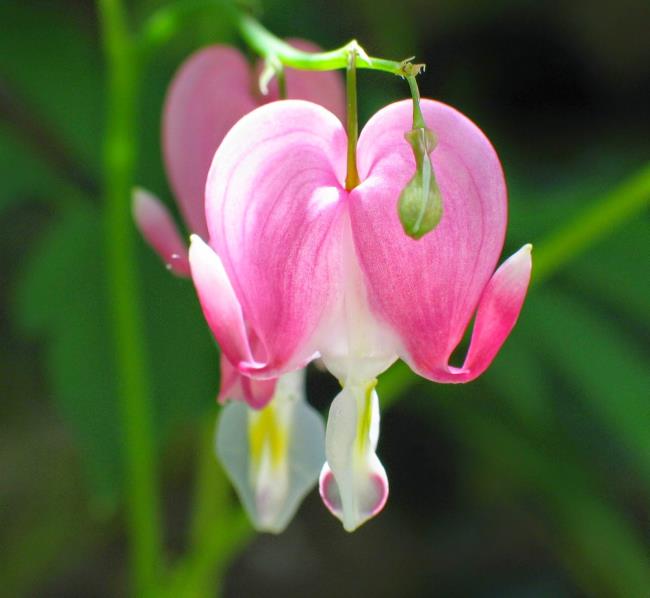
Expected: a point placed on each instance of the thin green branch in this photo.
(418, 119)
(212, 490)
(168, 20)
(592, 224)
(127, 328)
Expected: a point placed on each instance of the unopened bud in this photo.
(420, 203)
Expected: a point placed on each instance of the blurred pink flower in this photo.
(299, 267)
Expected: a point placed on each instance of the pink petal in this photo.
(273, 205)
(230, 388)
(157, 226)
(428, 290)
(209, 93)
(257, 393)
(219, 302)
(497, 314)
(324, 87)
(237, 387)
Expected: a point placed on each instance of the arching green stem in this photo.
(164, 23)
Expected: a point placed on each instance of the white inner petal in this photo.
(354, 345)
(273, 455)
(353, 482)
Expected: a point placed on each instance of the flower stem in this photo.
(352, 175)
(418, 119)
(219, 530)
(119, 161)
(168, 20)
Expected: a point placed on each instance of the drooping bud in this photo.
(420, 203)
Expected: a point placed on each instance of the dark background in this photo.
(533, 481)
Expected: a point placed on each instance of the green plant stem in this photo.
(418, 119)
(164, 23)
(265, 43)
(592, 224)
(127, 327)
(219, 528)
(212, 491)
(352, 175)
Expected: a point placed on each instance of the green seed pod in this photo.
(420, 203)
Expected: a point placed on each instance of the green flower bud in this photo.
(420, 204)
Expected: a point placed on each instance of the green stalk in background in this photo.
(598, 220)
(127, 327)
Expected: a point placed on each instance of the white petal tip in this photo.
(370, 493)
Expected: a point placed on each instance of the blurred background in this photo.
(533, 481)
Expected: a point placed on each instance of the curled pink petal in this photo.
(273, 202)
(219, 302)
(230, 387)
(257, 393)
(157, 226)
(321, 87)
(427, 290)
(237, 387)
(209, 93)
(497, 314)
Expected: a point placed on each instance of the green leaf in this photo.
(53, 63)
(62, 297)
(184, 359)
(616, 272)
(596, 357)
(25, 175)
(519, 380)
(596, 541)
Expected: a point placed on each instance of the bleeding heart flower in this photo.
(298, 267)
(273, 456)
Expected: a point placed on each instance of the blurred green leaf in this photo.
(519, 379)
(596, 358)
(26, 176)
(184, 359)
(601, 547)
(62, 296)
(616, 272)
(57, 69)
